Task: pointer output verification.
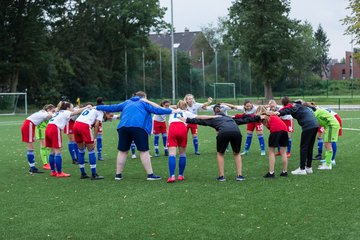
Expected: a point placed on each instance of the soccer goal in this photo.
(13, 103)
(224, 90)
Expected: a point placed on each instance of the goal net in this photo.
(224, 90)
(13, 103)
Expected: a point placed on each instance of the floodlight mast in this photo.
(172, 55)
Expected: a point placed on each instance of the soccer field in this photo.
(324, 205)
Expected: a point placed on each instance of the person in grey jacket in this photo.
(228, 132)
(309, 125)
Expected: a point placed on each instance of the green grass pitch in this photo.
(324, 205)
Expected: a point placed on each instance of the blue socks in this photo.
(334, 148)
(81, 160)
(99, 145)
(52, 161)
(92, 162)
(164, 138)
(172, 164)
(31, 159)
(182, 164)
(71, 147)
(261, 142)
(196, 144)
(58, 161)
(133, 146)
(289, 146)
(320, 145)
(156, 144)
(248, 141)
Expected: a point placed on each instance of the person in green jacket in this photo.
(331, 133)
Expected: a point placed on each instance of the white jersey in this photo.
(185, 114)
(194, 108)
(248, 112)
(159, 118)
(38, 117)
(61, 118)
(90, 115)
(223, 108)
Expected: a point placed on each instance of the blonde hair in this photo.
(272, 101)
(181, 105)
(261, 110)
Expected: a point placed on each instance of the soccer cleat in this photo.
(283, 174)
(74, 161)
(288, 155)
(197, 153)
(133, 156)
(166, 152)
(153, 177)
(171, 179)
(180, 178)
(46, 166)
(62, 174)
(240, 178)
(324, 166)
(96, 177)
(118, 177)
(100, 159)
(263, 153)
(299, 171)
(269, 175)
(245, 152)
(308, 170)
(53, 174)
(221, 179)
(84, 176)
(333, 162)
(35, 171)
(157, 155)
(318, 157)
(277, 154)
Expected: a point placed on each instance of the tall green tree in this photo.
(261, 31)
(352, 21)
(322, 58)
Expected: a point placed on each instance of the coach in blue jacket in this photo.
(135, 125)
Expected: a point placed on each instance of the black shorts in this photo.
(129, 134)
(279, 139)
(224, 138)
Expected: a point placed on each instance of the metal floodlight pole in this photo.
(160, 74)
(203, 70)
(172, 54)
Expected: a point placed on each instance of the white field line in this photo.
(350, 118)
(352, 129)
(10, 123)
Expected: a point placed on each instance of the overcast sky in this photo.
(194, 14)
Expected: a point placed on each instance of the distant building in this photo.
(191, 43)
(342, 71)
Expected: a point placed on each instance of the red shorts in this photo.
(83, 133)
(289, 124)
(254, 125)
(321, 129)
(159, 127)
(69, 127)
(193, 128)
(53, 138)
(28, 131)
(340, 122)
(177, 136)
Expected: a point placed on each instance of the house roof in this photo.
(184, 40)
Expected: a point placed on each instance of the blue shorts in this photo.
(129, 134)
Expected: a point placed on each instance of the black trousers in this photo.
(306, 147)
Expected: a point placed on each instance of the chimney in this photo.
(186, 30)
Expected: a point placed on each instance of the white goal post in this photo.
(13, 103)
(224, 90)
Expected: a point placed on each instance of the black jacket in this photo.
(303, 115)
(224, 123)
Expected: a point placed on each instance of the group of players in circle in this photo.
(83, 125)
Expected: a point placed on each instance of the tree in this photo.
(322, 59)
(353, 23)
(261, 32)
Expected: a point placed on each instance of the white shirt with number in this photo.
(89, 116)
(61, 118)
(185, 114)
